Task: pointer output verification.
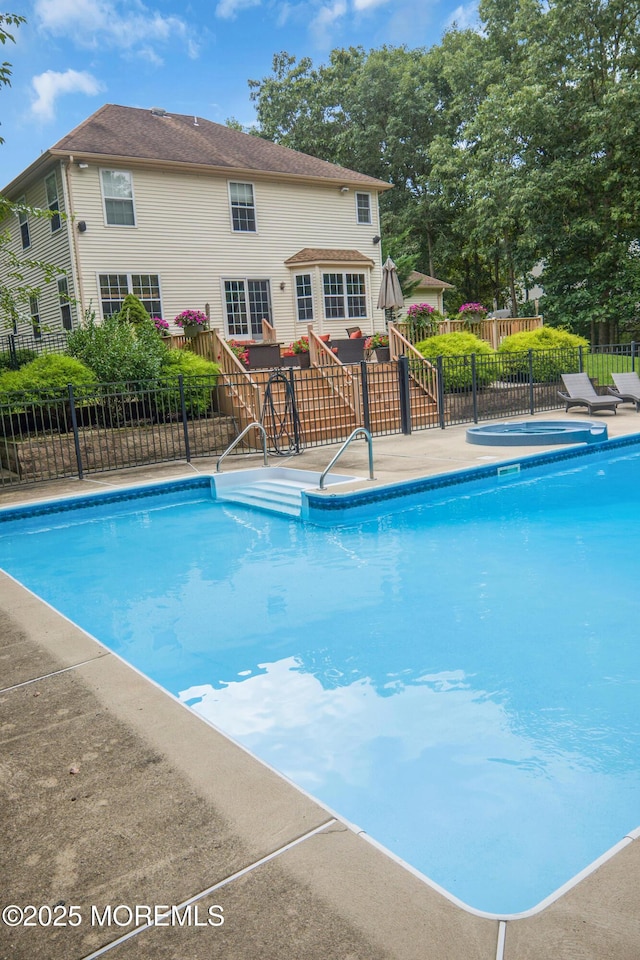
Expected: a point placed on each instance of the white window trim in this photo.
(128, 274)
(23, 218)
(343, 273)
(243, 233)
(369, 222)
(46, 196)
(117, 226)
(223, 294)
(312, 277)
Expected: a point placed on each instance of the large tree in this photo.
(507, 147)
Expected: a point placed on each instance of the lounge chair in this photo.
(580, 393)
(627, 388)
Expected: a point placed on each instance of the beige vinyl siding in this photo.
(184, 234)
(50, 248)
(430, 295)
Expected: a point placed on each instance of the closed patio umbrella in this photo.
(390, 296)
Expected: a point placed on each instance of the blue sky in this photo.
(72, 56)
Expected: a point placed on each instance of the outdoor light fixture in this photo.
(376, 239)
(344, 189)
(82, 166)
(282, 284)
(82, 226)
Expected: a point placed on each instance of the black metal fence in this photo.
(46, 435)
(18, 349)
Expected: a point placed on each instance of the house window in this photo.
(65, 305)
(363, 207)
(344, 296)
(243, 211)
(34, 310)
(53, 204)
(117, 192)
(23, 220)
(247, 302)
(304, 297)
(115, 286)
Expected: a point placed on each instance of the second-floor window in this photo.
(23, 220)
(243, 210)
(344, 296)
(363, 207)
(53, 203)
(117, 191)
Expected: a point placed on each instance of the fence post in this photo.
(294, 410)
(405, 399)
(183, 411)
(580, 361)
(440, 368)
(633, 355)
(74, 427)
(365, 396)
(532, 397)
(474, 388)
(12, 352)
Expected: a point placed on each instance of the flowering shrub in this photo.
(192, 317)
(162, 326)
(473, 308)
(376, 340)
(419, 309)
(240, 348)
(301, 345)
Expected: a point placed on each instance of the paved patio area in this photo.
(115, 796)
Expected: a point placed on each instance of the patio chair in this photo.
(580, 393)
(627, 388)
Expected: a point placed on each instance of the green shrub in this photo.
(200, 378)
(118, 352)
(133, 310)
(554, 352)
(50, 373)
(15, 360)
(456, 350)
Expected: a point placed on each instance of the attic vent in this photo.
(158, 112)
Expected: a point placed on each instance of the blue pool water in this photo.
(459, 678)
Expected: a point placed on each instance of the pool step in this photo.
(280, 496)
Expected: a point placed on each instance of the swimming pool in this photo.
(455, 671)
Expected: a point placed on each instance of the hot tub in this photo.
(529, 433)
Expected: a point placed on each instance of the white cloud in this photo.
(325, 19)
(92, 23)
(228, 9)
(51, 85)
(464, 17)
(367, 4)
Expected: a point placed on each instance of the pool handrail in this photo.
(234, 443)
(352, 436)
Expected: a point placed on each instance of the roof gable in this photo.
(129, 133)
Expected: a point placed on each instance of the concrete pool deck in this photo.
(115, 795)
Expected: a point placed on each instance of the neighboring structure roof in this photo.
(424, 280)
(316, 255)
(116, 132)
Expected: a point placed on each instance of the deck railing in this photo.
(492, 329)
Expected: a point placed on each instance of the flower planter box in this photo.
(192, 329)
(263, 355)
(382, 354)
(351, 350)
(297, 360)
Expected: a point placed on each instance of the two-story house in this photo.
(186, 213)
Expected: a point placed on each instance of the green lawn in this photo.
(601, 365)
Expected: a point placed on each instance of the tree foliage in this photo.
(507, 147)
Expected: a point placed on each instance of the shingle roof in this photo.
(132, 133)
(318, 255)
(424, 280)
